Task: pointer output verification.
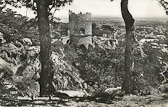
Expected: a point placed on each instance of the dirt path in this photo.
(126, 101)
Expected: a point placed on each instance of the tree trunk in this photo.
(46, 74)
(129, 42)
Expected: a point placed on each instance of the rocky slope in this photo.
(20, 67)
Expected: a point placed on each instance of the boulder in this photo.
(27, 41)
(72, 93)
(2, 40)
(3, 63)
(112, 90)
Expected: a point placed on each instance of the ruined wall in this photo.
(84, 40)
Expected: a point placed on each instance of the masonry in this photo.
(80, 29)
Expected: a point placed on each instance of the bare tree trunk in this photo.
(129, 42)
(46, 74)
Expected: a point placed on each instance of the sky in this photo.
(138, 8)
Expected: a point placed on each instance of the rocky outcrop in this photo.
(23, 60)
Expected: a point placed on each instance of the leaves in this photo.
(14, 25)
(164, 4)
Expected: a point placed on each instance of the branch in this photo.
(51, 8)
(2, 6)
(55, 10)
(164, 5)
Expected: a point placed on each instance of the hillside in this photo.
(83, 77)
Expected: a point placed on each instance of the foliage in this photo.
(43, 9)
(146, 73)
(15, 26)
(32, 3)
(100, 68)
(164, 4)
(6, 75)
(58, 29)
(103, 68)
(29, 87)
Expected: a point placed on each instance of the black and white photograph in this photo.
(83, 53)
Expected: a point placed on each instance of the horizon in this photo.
(66, 19)
(98, 8)
(138, 8)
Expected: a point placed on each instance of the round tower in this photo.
(80, 22)
(80, 28)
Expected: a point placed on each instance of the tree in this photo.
(129, 42)
(164, 4)
(46, 75)
(43, 9)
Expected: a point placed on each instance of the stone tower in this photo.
(80, 28)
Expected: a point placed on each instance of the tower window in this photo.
(82, 31)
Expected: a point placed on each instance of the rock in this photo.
(34, 49)
(2, 40)
(27, 41)
(109, 93)
(72, 93)
(3, 63)
(34, 89)
(65, 40)
(61, 95)
(112, 90)
(18, 44)
(23, 61)
(5, 70)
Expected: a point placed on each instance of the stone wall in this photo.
(82, 40)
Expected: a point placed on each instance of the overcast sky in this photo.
(138, 8)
